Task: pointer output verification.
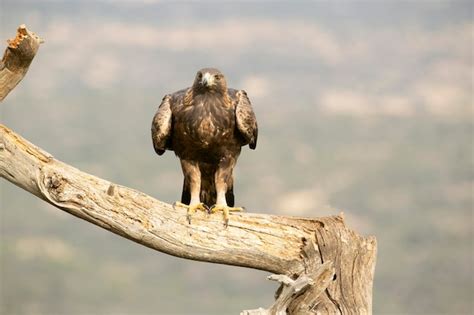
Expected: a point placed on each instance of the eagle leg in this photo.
(191, 208)
(191, 188)
(224, 181)
(225, 211)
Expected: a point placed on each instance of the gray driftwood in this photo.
(324, 267)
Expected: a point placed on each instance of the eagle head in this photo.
(210, 80)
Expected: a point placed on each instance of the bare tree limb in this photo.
(325, 267)
(272, 243)
(258, 241)
(17, 58)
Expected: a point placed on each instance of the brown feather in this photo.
(246, 121)
(161, 126)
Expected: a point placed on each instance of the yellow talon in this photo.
(191, 208)
(225, 211)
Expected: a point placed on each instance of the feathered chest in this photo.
(207, 120)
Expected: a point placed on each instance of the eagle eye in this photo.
(199, 75)
(218, 77)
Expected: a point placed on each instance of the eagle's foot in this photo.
(191, 208)
(225, 211)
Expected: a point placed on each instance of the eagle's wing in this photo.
(245, 117)
(161, 126)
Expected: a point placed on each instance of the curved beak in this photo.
(207, 79)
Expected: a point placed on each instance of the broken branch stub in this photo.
(17, 58)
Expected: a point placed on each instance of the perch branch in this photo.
(332, 265)
(265, 242)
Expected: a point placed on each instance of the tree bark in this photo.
(329, 269)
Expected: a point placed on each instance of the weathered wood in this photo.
(264, 242)
(17, 58)
(290, 289)
(322, 273)
(333, 267)
(315, 280)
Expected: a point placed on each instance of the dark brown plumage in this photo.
(206, 125)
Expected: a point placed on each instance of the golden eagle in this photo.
(206, 125)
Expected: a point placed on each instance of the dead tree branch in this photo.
(324, 267)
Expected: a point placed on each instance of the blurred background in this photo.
(363, 107)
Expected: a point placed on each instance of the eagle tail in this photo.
(208, 190)
(207, 195)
